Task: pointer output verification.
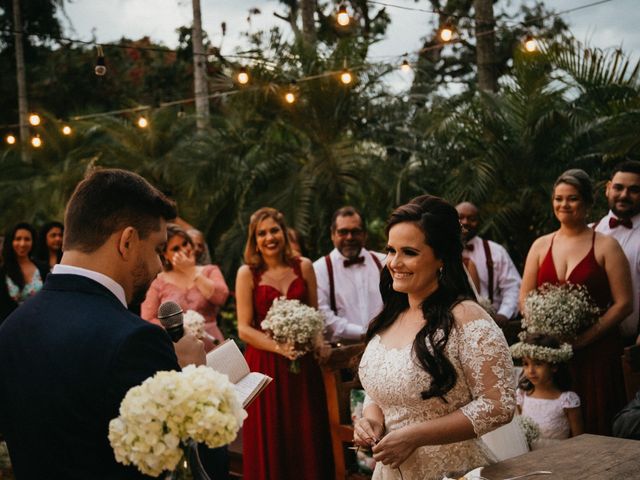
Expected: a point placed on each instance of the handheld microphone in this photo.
(170, 316)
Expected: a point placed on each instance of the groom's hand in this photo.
(190, 351)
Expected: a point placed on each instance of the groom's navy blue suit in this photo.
(67, 358)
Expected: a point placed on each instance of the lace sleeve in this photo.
(519, 397)
(570, 400)
(488, 370)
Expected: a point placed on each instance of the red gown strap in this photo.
(547, 271)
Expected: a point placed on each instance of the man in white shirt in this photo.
(348, 279)
(499, 278)
(623, 223)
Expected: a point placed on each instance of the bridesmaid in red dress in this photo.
(286, 435)
(577, 254)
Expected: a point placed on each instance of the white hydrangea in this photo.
(562, 310)
(293, 321)
(193, 323)
(170, 408)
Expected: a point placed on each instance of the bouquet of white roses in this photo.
(291, 321)
(170, 410)
(194, 323)
(560, 310)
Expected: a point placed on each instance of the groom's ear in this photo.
(126, 241)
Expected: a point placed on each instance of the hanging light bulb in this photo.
(100, 69)
(290, 97)
(142, 122)
(66, 130)
(446, 32)
(346, 77)
(343, 17)
(34, 119)
(530, 44)
(10, 139)
(243, 76)
(405, 67)
(36, 141)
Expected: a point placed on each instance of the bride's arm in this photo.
(244, 308)
(487, 370)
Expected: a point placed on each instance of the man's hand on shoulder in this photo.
(190, 351)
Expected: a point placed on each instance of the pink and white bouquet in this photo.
(194, 323)
(171, 410)
(291, 321)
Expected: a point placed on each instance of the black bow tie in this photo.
(615, 222)
(353, 261)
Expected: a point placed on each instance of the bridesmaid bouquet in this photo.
(291, 321)
(194, 323)
(530, 429)
(561, 310)
(161, 420)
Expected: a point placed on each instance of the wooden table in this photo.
(586, 457)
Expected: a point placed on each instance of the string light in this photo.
(34, 119)
(530, 44)
(100, 69)
(10, 139)
(405, 67)
(142, 122)
(290, 97)
(346, 77)
(66, 130)
(343, 17)
(36, 141)
(446, 32)
(243, 76)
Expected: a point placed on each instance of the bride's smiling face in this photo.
(411, 262)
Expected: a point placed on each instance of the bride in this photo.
(437, 370)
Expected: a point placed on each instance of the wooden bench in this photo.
(631, 370)
(339, 376)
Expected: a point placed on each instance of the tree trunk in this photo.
(23, 107)
(485, 45)
(308, 8)
(201, 90)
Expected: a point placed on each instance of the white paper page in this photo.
(249, 385)
(227, 359)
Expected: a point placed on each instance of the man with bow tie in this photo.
(348, 279)
(623, 223)
(499, 278)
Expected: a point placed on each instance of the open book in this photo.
(227, 358)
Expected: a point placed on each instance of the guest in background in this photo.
(626, 423)
(286, 435)
(499, 278)
(193, 287)
(623, 223)
(437, 369)
(348, 278)
(49, 248)
(200, 247)
(578, 255)
(297, 242)
(21, 275)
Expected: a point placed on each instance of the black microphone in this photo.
(170, 316)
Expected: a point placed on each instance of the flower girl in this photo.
(543, 391)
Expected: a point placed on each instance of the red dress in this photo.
(596, 368)
(286, 434)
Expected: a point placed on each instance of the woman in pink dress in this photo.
(286, 435)
(578, 255)
(193, 287)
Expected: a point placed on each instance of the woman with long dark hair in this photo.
(21, 276)
(437, 370)
(49, 245)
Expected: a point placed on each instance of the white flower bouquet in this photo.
(530, 429)
(171, 410)
(560, 310)
(291, 321)
(194, 323)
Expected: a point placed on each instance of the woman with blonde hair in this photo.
(286, 434)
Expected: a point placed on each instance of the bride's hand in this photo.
(367, 432)
(394, 448)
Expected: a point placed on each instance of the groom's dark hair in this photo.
(108, 200)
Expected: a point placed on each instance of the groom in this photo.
(69, 355)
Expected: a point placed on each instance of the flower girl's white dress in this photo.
(484, 392)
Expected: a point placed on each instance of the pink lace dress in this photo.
(162, 291)
(549, 414)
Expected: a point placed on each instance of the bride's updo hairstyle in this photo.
(439, 222)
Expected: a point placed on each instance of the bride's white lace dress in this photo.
(484, 392)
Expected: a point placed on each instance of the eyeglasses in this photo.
(344, 232)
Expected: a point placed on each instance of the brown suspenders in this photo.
(487, 254)
(332, 285)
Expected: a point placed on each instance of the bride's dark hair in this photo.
(439, 222)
